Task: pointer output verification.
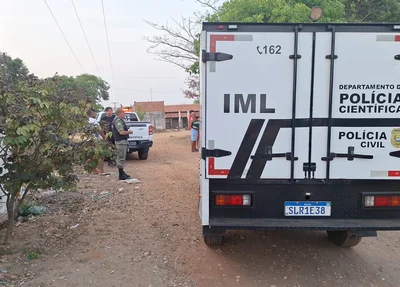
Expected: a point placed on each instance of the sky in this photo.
(28, 31)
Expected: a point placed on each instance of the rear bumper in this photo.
(268, 211)
(222, 224)
(137, 145)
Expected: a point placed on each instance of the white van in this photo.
(300, 128)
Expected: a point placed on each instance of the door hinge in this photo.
(268, 155)
(350, 155)
(216, 57)
(214, 153)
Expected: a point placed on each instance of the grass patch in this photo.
(31, 255)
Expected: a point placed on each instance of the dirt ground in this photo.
(149, 234)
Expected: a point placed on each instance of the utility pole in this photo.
(115, 104)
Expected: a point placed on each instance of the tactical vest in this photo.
(116, 134)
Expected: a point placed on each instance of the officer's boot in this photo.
(122, 175)
(127, 175)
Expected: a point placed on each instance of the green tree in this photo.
(14, 69)
(39, 150)
(383, 11)
(260, 11)
(269, 11)
(92, 86)
(94, 89)
(141, 114)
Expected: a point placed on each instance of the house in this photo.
(152, 112)
(177, 116)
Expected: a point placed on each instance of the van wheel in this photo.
(344, 238)
(143, 154)
(213, 239)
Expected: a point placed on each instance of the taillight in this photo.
(233, 199)
(382, 201)
(150, 130)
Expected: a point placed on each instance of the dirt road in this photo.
(149, 234)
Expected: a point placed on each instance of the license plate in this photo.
(307, 208)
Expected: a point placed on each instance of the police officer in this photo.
(121, 134)
(106, 121)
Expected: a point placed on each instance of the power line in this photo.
(108, 45)
(66, 40)
(84, 34)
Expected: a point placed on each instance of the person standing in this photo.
(106, 122)
(121, 135)
(194, 132)
(98, 136)
(190, 119)
(198, 130)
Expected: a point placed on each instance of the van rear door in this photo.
(255, 84)
(356, 134)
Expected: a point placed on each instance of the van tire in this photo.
(143, 154)
(344, 238)
(213, 239)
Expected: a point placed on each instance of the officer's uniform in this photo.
(121, 142)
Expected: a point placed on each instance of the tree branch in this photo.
(175, 54)
(169, 30)
(177, 45)
(188, 29)
(365, 17)
(170, 61)
(212, 4)
(158, 41)
(25, 193)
